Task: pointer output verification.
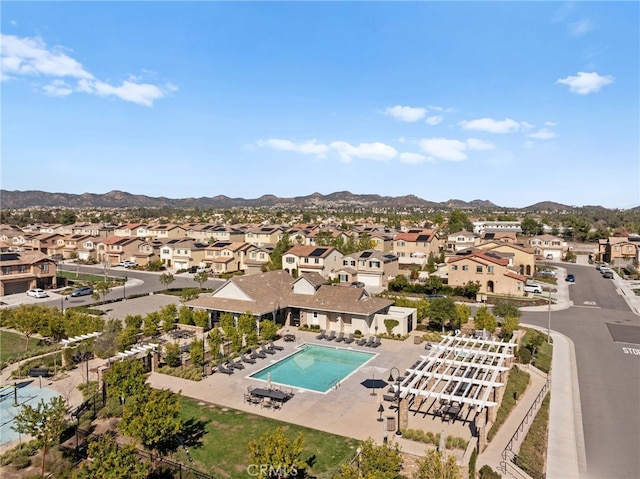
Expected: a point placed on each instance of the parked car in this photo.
(192, 269)
(357, 284)
(37, 293)
(608, 274)
(549, 256)
(82, 291)
(203, 269)
(533, 288)
(571, 278)
(431, 297)
(547, 272)
(128, 264)
(604, 270)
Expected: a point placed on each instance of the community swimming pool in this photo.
(315, 367)
(25, 393)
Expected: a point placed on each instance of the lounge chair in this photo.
(349, 339)
(362, 341)
(331, 336)
(224, 370)
(276, 346)
(258, 354)
(266, 350)
(370, 342)
(235, 365)
(322, 335)
(377, 342)
(340, 337)
(246, 359)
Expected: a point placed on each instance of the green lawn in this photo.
(533, 452)
(12, 344)
(85, 277)
(516, 386)
(223, 451)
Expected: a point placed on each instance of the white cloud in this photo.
(412, 158)
(57, 88)
(542, 134)
(406, 113)
(402, 139)
(580, 27)
(310, 147)
(476, 144)
(370, 151)
(493, 126)
(550, 123)
(32, 57)
(528, 144)
(444, 149)
(586, 83)
(434, 120)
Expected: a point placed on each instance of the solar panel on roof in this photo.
(318, 252)
(365, 254)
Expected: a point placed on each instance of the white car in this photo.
(37, 293)
(128, 264)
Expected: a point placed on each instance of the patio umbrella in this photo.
(244, 340)
(268, 385)
(373, 382)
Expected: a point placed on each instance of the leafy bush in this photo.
(21, 462)
(487, 473)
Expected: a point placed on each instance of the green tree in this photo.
(201, 278)
(435, 466)
(172, 354)
(168, 314)
(155, 265)
(196, 352)
(125, 379)
(188, 295)
(441, 311)
(166, 279)
(504, 308)
(45, 423)
(282, 455)
(458, 221)
(106, 344)
(133, 321)
(227, 323)
(185, 316)
(531, 227)
(469, 290)
(151, 324)
(110, 460)
(389, 324)
(509, 325)
(268, 329)
(28, 319)
(102, 288)
(200, 318)
(215, 340)
(281, 247)
(374, 462)
(463, 312)
(484, 319)
(431, 263)
(152, 419)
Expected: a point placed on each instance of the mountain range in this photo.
(341, 199)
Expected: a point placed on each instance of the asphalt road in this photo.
(601, 327)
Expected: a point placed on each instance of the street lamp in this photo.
(549, 324)
(204, 371)
(124, 288)
(397, 395)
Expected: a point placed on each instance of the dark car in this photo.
(571, 278)
(83, 291)
(608, 274)
(431, 297)
(193, 269)
(357, 284)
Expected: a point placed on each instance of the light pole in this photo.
(549, 324)
(397, 396)
(204, 371)
(124, 288)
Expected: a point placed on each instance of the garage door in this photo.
(369, 280)
(18, 287)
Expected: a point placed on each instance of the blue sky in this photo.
(512, 102)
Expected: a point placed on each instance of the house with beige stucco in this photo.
(520, 258)
(227, 256)
(415, 246)
(325, 260)
(24, 270)
(461, 240)
(548, 247)
(489, 270)
(371, 267)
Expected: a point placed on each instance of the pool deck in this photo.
(348, 410)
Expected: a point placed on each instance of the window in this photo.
(478, 269)
(375, 264)
(166, 251)
(45, 268)
(454, 267)
(363, 263)
(22, 269)
(316, 260)
(306, 260)
(465, 268)
(253, 255)
(353, 262)
(401, 243)
(290, 260)
(490, 269)
(6, 270)
(345, 262)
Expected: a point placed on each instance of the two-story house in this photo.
(139, 230)
(263, 235)
(256, 259)
(520, 258)
(491, 271)
(414, 246)
(325, 260)
(227, 256)
(461, 240)
(24, 270)
(619, 250)
(82, 247)
(166, 231)
(180, 253)
(371, 267)
(115, 249)
(548, 247)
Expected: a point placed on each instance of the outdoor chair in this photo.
(370, 342)
(224, 370)
(258, 354)
(246, 359)
(266, 403)
(322, 335)
(340, 337)
(235, 365)
(331, 336)
(377, 342)
(266, 350)
(276, 346)
(362, 342)
(349, 339)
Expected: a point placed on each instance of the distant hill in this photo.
(341, 199)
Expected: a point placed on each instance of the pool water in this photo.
(314, 367)
(26, 394)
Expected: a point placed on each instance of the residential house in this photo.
(382, 241)
(502, 236)
(82, 247)
(180, 254)
(414, 246)
(256, 259)
(371, 267)
(227, 256)
(307, 300)
(520, 258)
(461, 240)
(547, 247)
(491, 271)
(46, 243)
(24, 270)
(324, 236)
(325, 260)
(619, 250)
(131, 230)
(210, 233)
(166, 231)
(263, 235)
(480, 227)
(115, 249)
(97, 230)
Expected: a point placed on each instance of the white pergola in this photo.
(77, 339)
(137, 350)
(460, 369)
